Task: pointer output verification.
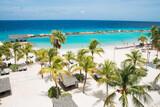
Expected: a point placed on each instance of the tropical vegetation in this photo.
(107, 72)
(17, 51)
(128, 87)
(155, 38)
(94, 49)
(26, 49)
(55, 70)
(143, 39)
(57, 39)
(88, 66)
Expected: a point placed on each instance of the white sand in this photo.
(29, 90)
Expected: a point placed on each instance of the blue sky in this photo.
(139, 10)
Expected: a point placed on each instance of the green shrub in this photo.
(156, 60)
(14, 67)
(52, 92)
(80, 77)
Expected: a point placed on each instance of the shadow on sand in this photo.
(87, 88)
(100, 95)
(5, 94)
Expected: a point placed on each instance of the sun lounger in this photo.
(64, 101)
(22, 69)
(68, 80)
(5, 84)
(5, 71)
(96, 76)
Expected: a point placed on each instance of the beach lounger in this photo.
(22, 69)
(68, 80)
(5, 71)
(5, 84)
(96, 76)
(64, 101)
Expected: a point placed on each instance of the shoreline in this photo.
(79, 46)
(27, 36)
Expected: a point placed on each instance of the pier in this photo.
(27, 36)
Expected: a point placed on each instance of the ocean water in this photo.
(46, 26)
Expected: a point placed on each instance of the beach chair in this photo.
(97, 76)
(22, 69)
(64, 101)
(68, 80)
(5, 71)
(5, 84)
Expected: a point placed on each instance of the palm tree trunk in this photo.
(41, 73)
(68, 67)
(106, 93)
(80, 72)
(57, 90)
(92, 56)
(107, 90)
(85, 79)
(15, 58)
(27, 59)
(104, 104)
(49, 62)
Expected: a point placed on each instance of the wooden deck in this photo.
(26, 36)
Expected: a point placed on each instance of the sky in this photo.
(135, 10)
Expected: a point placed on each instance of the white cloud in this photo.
(82, 11)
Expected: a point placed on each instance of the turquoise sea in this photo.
(46, 26)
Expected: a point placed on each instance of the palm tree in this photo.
(57, 38)
(17, 52)
(155, 37)
(142, 39)
(127, 85)
(55, 70)
(27, 48)
(135, 58)
(69, 57)
(41, 56)
(5, 49)
(79, 57)
(94, 49)
(1, 54)
(107, 73)
(51, 53)
(87, 66)
(156, 61)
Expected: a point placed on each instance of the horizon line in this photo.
(74, 20)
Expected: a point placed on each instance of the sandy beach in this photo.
(29, 90)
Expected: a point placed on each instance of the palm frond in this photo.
(46, 70)
(136, 102)
(76, 69)
(99, 51)
(141, 92)
(157, 78)
(109, 101)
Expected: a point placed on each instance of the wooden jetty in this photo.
(26, 36)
